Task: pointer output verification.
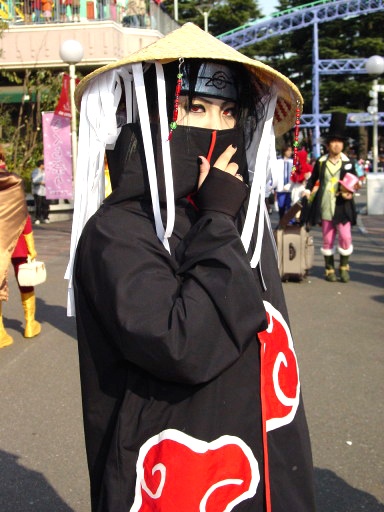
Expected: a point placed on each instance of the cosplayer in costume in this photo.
(300, 176)
(331, 207)
(190, 384)
(16, 244)
(289, 183)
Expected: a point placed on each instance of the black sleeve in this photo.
(221, 192)
(314, 176)
(185, 322)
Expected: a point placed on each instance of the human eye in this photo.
(230, 111)
(197, 108)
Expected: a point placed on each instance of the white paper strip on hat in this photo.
(138, 77)
(166, 151)
(98, 128)
(162, 234)
(259, 159)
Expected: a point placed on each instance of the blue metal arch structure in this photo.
(342, 66)
(299, 17)
(312, 14)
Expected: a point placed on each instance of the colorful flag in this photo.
(63, 107)
(57, 156)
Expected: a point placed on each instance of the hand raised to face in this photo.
(223, 163)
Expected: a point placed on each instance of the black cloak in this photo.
(190, 385)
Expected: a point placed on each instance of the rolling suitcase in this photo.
(294, 246)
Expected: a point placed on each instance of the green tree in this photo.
(224, 15)
(353, 38)
(21, 122)
(232, 14)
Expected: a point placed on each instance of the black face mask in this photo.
(127, 161)
(188, 143)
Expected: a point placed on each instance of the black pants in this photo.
(41, 207)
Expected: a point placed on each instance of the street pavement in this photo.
(338, 330)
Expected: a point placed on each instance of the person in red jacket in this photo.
(16, 239)
(300, 175)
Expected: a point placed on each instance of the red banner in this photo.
(63, 107)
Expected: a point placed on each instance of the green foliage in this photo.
(21, 123)
(223, 15)
(232, 14)
(353, 38)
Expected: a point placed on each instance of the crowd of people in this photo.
(132, 13)
(325, 192)
(285, 186)
(63, 11)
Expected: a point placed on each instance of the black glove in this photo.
(221, 192)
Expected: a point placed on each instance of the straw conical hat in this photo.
(191, 42)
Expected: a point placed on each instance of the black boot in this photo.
(330, 269)
(344, 269)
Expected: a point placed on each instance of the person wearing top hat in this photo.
(190, 382)
(334, 210)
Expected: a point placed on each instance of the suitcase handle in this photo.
(292, 252)
(288, 216)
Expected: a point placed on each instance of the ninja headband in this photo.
(213, 80)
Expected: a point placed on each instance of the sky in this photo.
(267, 6)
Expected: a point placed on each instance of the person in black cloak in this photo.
(331, 186)
(190, 383)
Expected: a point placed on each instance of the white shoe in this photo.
(37, 221)
(46, 221)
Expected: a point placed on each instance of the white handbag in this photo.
(32, 273)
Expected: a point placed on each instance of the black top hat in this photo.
(337, 126)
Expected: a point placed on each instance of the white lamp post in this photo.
(72, 52)
(206, 11)
(375, 66)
